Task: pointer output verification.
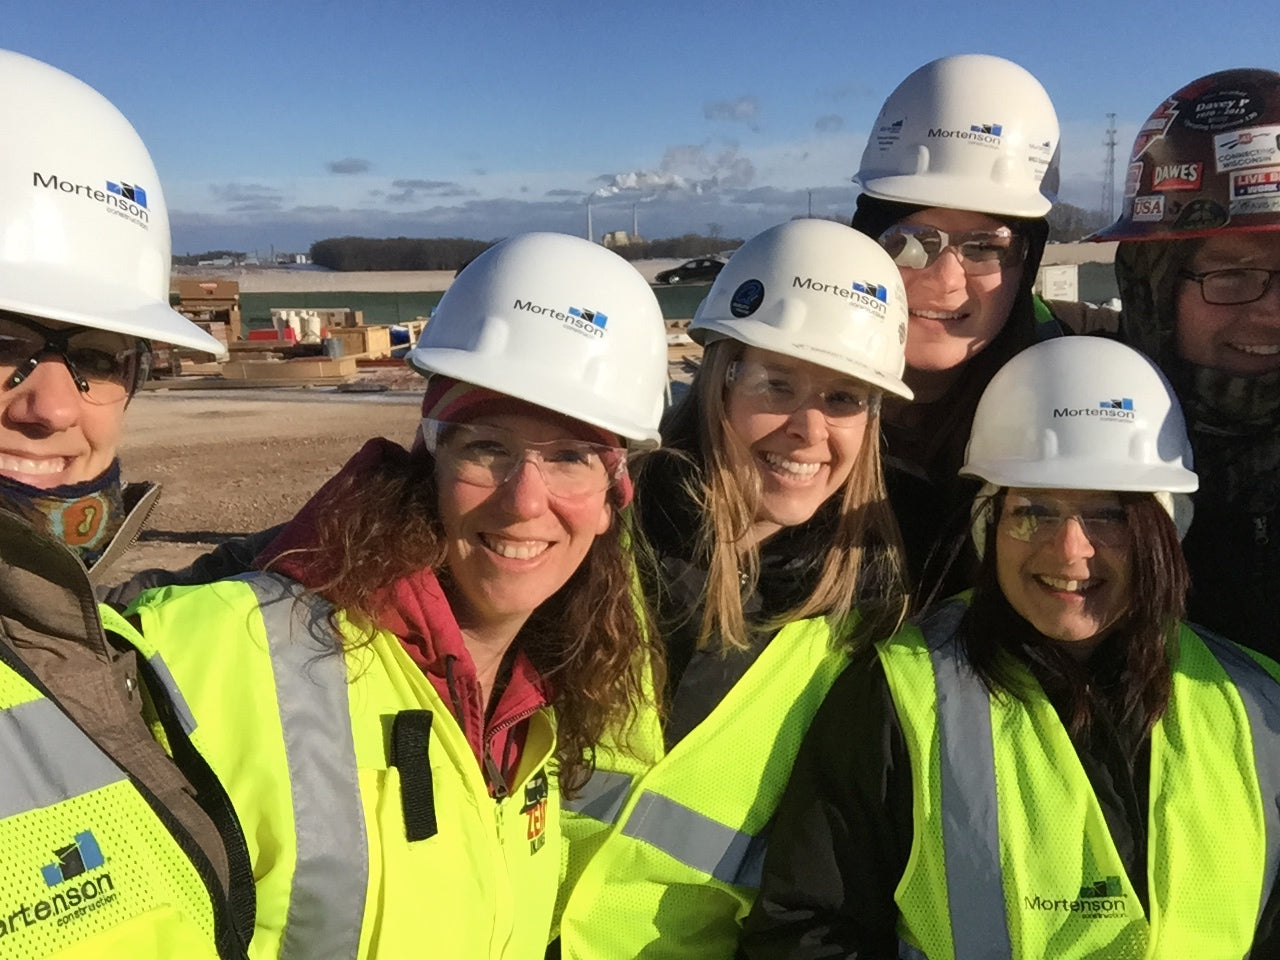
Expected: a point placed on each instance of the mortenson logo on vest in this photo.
(125, 200)
(1099, 900)
(1120, 408)
(72, 898)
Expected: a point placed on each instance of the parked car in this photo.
(703, 270)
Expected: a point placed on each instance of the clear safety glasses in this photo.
(1037, 520)
(769, 389)
(1234, 285)
(103, 365)
(979, 251)
(489, 456)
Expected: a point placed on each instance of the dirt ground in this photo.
(233, 462)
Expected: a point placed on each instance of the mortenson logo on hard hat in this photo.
(125, 200)
(1116, 409)
(984, 133)
(873, 296)
(589, 323)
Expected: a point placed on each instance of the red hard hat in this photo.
(1206, 161)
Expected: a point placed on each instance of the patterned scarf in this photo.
(85, 516)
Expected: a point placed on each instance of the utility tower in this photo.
(1108, 208)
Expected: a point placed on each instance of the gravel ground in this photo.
(232, 462)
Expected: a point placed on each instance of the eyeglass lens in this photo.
(781, 391)
(1038, 520)
(488, 456)
(102, 364)
(1234, 285)
(979, 251)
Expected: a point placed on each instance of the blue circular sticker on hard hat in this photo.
(747, 298)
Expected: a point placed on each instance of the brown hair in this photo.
(864, 550)
(587, 640)
(1131, 667)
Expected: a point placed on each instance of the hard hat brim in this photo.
(41, 292)
(958, 193)
(1067, 474)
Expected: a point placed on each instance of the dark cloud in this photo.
(419, 191)
(349, 165)
(247, 197)
(829, 123)
(742, 110)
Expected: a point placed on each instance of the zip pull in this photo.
(496, 780)
(1260, 534)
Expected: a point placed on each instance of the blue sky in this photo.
(278, 123)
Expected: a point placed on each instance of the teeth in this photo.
(1258, 349)
(937, 314)
(1070, 586)
(516, 550)
(23, 465)
(791, 466)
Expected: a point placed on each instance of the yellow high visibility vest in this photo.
(1011, 855)
(370, 828)
(91, 871)
(665, 851)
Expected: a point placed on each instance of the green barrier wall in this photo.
(678, 303)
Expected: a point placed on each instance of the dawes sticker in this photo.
(1176, 176)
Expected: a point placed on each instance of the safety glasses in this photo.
(766, 388)
(979, 251)
(1037, 520)
(487, 456)
(103, 365)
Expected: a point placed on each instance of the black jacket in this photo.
(843, 831)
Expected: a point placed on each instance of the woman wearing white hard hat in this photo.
(419, 665)
(958, 175)
(775, 554)
(1055, 765)
(1197, 263)
(111, 848)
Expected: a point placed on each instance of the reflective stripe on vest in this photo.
(181, 708)
(602, 797)
(731, 856)
(1260, 695)
(47, 759)
(969, 814)
(326, 907)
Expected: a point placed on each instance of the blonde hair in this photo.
(864, 549)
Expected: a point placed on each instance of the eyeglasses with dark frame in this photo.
(106, 367)
(980, 252)
(1232, 286)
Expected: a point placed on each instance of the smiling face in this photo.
(953, 315)
(802, 459)
(510, 547)
(1241, 339)
(1071, 585)
(50, 433)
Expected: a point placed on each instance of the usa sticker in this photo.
(1176, 176)
(1255, 147)
(1255, 191)
(1148, 209)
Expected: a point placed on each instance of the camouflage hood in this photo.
(1234, 421)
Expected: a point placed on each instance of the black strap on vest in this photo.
(410, 740)
(210, 795)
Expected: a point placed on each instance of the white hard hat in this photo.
(1080, 413)
(84, 231)
(559, 322)
(971, 132)
(816, 290)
